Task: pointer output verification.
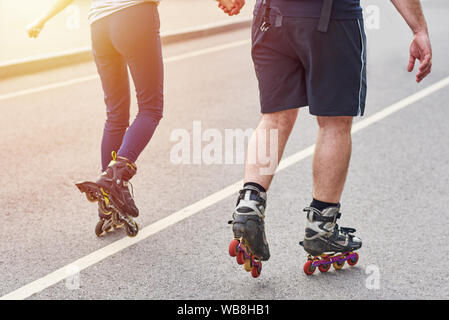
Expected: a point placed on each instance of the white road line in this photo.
(101, 254)
(208, 50)
(95, 76)
(47, 87)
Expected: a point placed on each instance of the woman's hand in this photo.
(35, 28)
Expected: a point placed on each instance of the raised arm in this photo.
(420, 47)
(36, 27)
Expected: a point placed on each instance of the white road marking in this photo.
(192, 54)
(47, 87)
(101, 254)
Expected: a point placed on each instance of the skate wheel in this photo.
(353, 261)
(99, 228)
(324, 267)
(248, 266)
(256, 271)
(132, 232)
(105, 209)
(239, 258)
(90, 197)
(308, 268)
(338, 265)
(104, 215)
(119, 225)
(234, 247)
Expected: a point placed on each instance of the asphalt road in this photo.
(396, 194)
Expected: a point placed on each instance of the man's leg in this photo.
(336, 93)
(248, 218)
(331, 158)
(282, 87)
(330, 168)
(282, 122)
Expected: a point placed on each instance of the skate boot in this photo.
(326, 243)
(114, 198)
(249, 245)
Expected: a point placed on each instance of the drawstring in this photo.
(325, 16)
(266, 18)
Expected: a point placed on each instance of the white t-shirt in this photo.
(103, 8)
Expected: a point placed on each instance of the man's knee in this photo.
(282, 119)
(335, 123)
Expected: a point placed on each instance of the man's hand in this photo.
(231, 7)
(35, 28)
(420, 49)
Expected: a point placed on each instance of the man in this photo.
(310, 53)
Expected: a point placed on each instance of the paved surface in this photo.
(396, 192)
(70, 29)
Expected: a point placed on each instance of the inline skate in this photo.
(115, 202)
(249, 245)
(326, 243)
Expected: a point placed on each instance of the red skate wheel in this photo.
(256, 271)
(324, 267)
(234, 247)
(308, 268)
(240, 259)
(353, 261)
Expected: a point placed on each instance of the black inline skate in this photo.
(249, 245)
(326, 243)
(115, 202)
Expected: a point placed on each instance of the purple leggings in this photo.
(129, 38)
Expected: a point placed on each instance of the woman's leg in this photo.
(135, 34)
(113, 72)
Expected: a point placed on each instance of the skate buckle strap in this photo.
(317, 216)
(244, 191)
(347, 230)
(249, 187)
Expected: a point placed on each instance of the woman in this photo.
(125, 33)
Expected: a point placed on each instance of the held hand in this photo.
(420, 49)
(35, 29)
(231, 7)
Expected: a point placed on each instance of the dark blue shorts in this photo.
(297, 65)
